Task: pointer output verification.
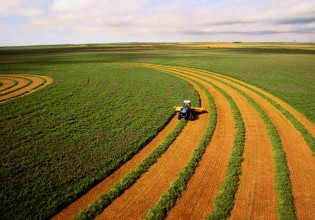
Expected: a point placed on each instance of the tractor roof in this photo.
(187, 101)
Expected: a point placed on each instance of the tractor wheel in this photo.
(179, 116)
(191, 116)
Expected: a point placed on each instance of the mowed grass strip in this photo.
(58, 143)
(105, 200)
(44, 81)
(309, 139)
(168, 199)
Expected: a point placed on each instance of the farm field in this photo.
(100, 140)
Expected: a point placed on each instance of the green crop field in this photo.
(61, 140)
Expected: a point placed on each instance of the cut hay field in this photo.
(95, 136)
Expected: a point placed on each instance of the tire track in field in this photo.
(26, 84)
(138, 199)
(104, 186)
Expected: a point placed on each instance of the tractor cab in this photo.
(186, 111)
(186, 104)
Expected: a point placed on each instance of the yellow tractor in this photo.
(187, 111)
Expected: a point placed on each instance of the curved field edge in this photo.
(126, 182)
(308, 137)
(169, 197)
(45, 81)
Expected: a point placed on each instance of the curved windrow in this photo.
(13, 86)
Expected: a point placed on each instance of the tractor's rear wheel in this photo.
(191, 115)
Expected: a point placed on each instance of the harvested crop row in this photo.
(26, 84)
(300, 161)
(137, 200)
(168, 199)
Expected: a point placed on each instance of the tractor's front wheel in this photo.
(179, 116)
